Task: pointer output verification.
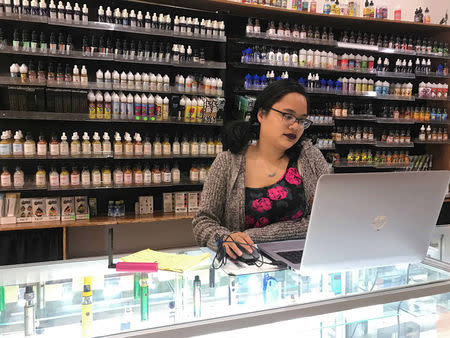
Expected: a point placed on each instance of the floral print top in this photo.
(282, 201)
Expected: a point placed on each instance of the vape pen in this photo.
(86, 306)
(197, 297)
(144, 296)
(136, 288)
(29, 311)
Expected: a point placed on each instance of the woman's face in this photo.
(276, 125)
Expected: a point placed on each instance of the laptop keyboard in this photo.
(292, 256)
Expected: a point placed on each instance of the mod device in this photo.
(144, 296)
(197, 297)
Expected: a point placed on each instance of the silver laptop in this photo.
(366, 220)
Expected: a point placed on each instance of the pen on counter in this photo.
(197, 297)
(144, 296)
(29, 312)
(86, 306)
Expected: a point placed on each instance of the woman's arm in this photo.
(280, 231)
(209, 219)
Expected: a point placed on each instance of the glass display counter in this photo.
(85, 298)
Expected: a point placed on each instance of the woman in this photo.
(262, 192)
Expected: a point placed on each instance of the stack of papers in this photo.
(166, 261)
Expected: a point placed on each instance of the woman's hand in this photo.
(239, 237)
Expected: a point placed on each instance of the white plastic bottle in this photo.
(84, 77)
(96, 145)
(130, 107)
(86, 145)
(123, 106)
(115, 106)
(75, 146)
(106, 144)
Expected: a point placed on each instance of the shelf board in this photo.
(318, 92)
(49, 116)
(344, 164)
(380, 144)
(444, 99)
(79, 55)
(443, 122)
(365, 118)
(382, 120)
(324, 125)
(96, 221)
(103, 26)
(431, 142)
(31, 187)
(106, 156)
(433, 75)
(356, 142)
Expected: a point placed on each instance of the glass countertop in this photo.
(117, 302)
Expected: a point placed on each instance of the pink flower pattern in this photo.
(282, 201)
(261, 204)
(277, 193)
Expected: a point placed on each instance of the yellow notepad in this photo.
(166, 261)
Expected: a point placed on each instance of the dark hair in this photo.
(238, 134)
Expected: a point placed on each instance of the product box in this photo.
(25, 213)
(193, 201)
(67, 208)
(81, 207)
(39, 214)
(168, 202)
(92, 207)
(145, 205)
(181, 202)
(52, 209)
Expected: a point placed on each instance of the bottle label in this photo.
(211, 149)
(54, 149)
(156, 177)
(123, 109)
(91, 110)
(42, 149)
(118, 148)
(96, 178)
(75, 179)
(64, 180)
(116, 108)
(40, 180)
(218, 148)
(176, 149)
(75, 148)
(108, 110)
(185, 149)
(138, 149)
(106, 178)
(147, 177)
(157, 149)
(144, 111)
(138, 178)
(151, 110)
(194, 175)
(118, 178)
(19, 180)
(127, 178)
(86, 179)
(129, 149)
(147, 149)
(86, 148)
(194, 149)
(202, 175)
(6, 180)
(17, 149)
(97, 148)
(203, 149)
(5, 149)
(100, 110)
(167, 177)
(106, 147)
(137, 110)
(166, 149)
(64, 149)
(176, 176)
(54, 180)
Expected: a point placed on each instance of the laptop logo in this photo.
(379, 223)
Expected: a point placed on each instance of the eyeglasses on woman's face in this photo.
(290, 119)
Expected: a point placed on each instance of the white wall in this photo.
(437, 7)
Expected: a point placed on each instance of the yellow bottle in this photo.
(41, 177)
(211, 147)
(187, 110)
(166, 147)
(106, 176)
(219, 146)
(64, 178)
(193, 111)
(199, 110)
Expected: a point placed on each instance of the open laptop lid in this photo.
(375, 219)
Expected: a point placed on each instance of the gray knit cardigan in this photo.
(222, 206)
